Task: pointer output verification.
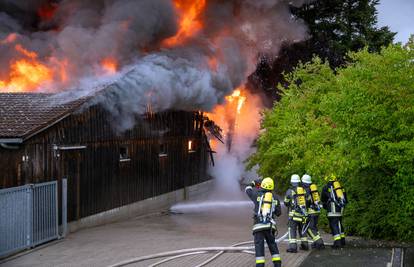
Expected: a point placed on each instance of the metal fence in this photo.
(28, 216)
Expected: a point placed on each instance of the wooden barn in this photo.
(41, 141)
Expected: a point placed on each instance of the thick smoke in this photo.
(75, 36)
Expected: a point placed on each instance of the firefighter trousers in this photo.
(295, 235)
(338, 235)
(259, 238)
(313, 231)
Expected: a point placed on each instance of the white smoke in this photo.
(229, 170)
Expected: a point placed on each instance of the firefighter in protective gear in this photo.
(334, 200)
(295, 201)
(266, 207)
(314, 209)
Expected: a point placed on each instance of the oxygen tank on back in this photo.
(315, 193)
(300, 200)
(266, 208)
(300, 196)
(338, 190)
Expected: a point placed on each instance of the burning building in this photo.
(41, 140)
(130, 80)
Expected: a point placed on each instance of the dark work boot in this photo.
(343, 242)
(277, 264)
(336, 244)
(304, 246)
(318, 244)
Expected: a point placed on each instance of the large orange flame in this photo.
(190, 23)
(27, 73)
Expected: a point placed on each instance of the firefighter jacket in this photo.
(296, 212)
(313, 207)
(333, 203)
(255, 195)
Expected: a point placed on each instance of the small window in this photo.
(190, 146)
(123, 154)
(162, 151)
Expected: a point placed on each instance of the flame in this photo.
(25, 52)
(239, 118)
(231, 112)
(237, 96)
(26, 74)
(190, 23)
(110, 65)
(190, 145)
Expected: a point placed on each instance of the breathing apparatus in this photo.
(300, 200)
(266, 203)
(337, 194)
(315, 196)
(266, 207)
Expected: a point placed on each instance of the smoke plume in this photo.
(138, 50)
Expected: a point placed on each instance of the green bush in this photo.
(356, 122)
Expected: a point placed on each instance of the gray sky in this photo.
(399, 16)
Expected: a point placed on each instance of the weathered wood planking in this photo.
(97, 179)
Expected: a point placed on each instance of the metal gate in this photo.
(28, 216)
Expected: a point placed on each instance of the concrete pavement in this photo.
(112, 243)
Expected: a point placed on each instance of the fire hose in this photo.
(193, 251)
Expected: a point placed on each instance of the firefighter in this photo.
(334, 200)
(266, 207)
(312, 195)
(295, 201)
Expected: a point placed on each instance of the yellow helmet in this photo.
(331, 178)
(267, 184)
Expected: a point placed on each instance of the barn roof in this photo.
(24, 114)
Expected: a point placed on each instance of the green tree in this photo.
(335, 27)
(357, 122)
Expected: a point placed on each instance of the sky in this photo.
(399, 16)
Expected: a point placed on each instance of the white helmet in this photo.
(295, 179)
(306, 179)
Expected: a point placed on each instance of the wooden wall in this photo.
(97, 179)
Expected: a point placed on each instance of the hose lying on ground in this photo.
(191, 251)
(235, 245)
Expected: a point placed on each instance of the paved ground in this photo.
(112, 243)
(356, 257)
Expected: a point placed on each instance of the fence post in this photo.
(29, 214)
(64, 206)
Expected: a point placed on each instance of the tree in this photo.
(335, 27)
(356, 122)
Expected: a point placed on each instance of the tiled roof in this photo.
(22, 114)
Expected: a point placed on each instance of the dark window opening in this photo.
(162, 150)
(124, 154)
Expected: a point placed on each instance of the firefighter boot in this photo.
(318, 244)
(277, 264)
(343, 242)
(304, 245)
(336, 244)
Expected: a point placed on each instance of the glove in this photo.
(253, 184)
